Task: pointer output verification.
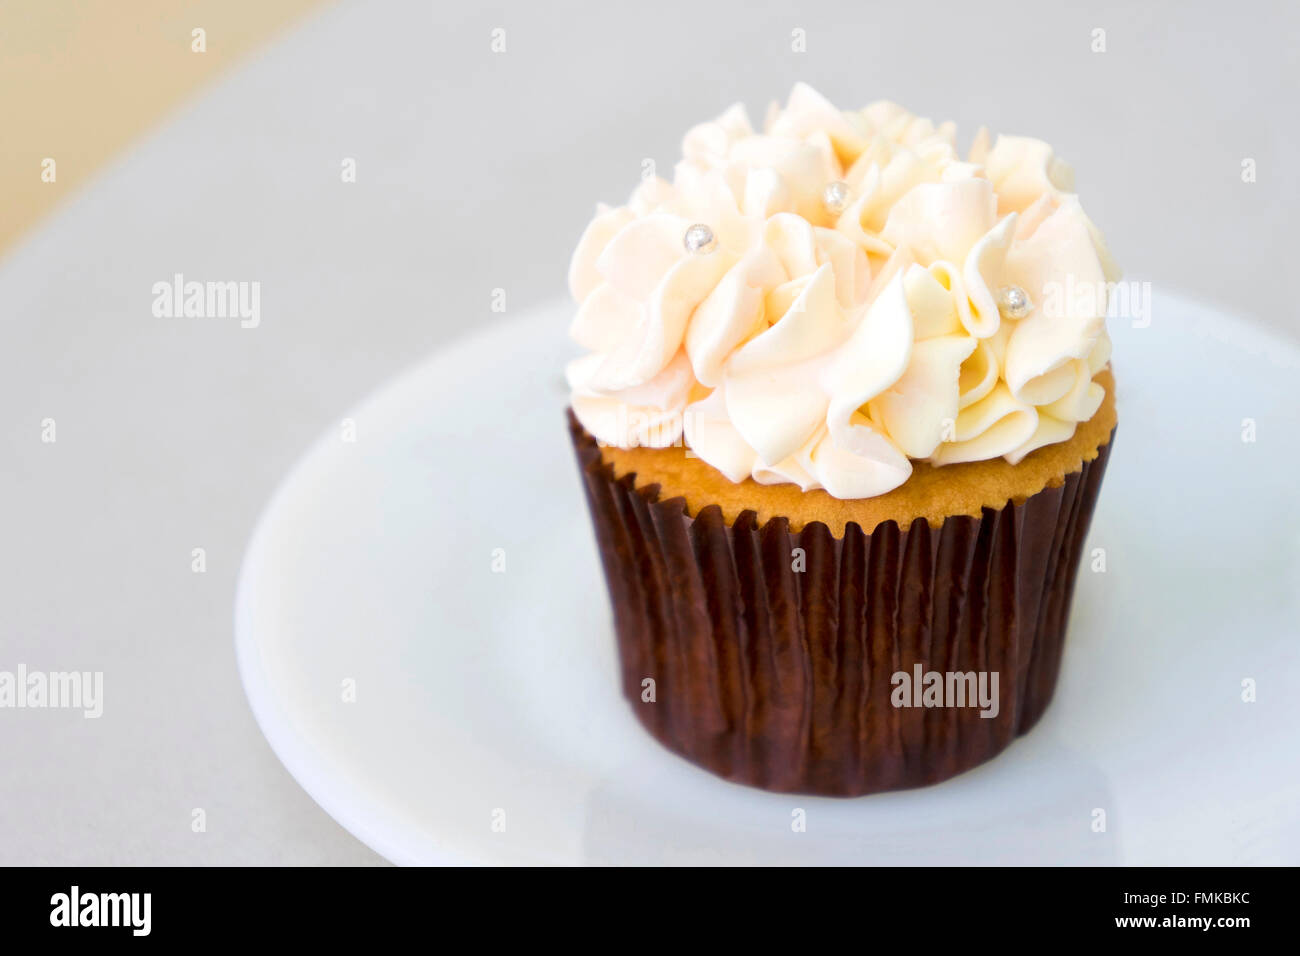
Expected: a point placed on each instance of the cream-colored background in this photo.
(81, 79)
(476, 171)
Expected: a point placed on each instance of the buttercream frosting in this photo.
(832, 343)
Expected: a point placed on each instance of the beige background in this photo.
(81, 79)
(476, 171)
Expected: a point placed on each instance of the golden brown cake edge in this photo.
(931, 493)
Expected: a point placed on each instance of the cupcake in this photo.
(842, 420)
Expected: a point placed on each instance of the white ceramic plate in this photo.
(484, 697)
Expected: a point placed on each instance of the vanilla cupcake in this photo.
(842, 423)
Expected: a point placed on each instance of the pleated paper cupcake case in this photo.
(781, 678)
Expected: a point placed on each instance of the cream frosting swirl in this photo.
(831, 337)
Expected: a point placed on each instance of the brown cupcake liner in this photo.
(782, 679)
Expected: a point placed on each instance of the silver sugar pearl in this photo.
(699, 238)
(1013, 302)
(835, 197)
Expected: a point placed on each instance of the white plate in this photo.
(485, 696)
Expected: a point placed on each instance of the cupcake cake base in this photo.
(778, 653)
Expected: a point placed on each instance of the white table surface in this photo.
(476, 171)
